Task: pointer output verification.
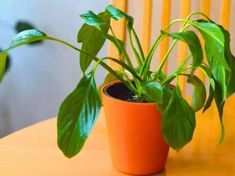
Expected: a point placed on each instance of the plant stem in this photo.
(140, 62)
(186, 21)
(138, 44)
(128, 62)
(130, 84)
(170, 49)
(123, 49)
(178, 70)
(156, 43)
(104, 65)
(145, 67)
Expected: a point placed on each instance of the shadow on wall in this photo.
(5, 120)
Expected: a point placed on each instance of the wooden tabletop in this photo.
(33, 151)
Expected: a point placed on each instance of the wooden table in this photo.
(33, 151)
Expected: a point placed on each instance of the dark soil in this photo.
(120, 91)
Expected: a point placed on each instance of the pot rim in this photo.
(105, 86)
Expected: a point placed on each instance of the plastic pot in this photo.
(134, 130)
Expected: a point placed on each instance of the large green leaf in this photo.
(154, 92)
(3, 57)
(117, 14)
(193, 43)
(218, 51)
(199, 93)
(215, 52)
(77, 115)
(92, 40)
(26, 37)
(230, 60)
(178, 121)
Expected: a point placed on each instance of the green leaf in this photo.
(8, 62)
(167, 94)
(27, 37)
(3, 57)
(24, 25)
(117, 14)
(215, 92)
(92, 40)
(160, 75)
(218, 96)
(208, 73)
(154, 92)
(92, 19)
(193, 43)
(230, 60)
(178, 121)
(215, 52)
(199, 93)
(209, 99)
(77, 115)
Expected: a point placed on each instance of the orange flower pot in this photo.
(134, 129)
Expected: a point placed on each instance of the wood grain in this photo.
(33, 151)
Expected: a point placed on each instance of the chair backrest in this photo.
(155, 14)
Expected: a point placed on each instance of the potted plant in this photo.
(145, 113)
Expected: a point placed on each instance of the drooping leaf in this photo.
(3, 57)
(215, 52)
(215, 92)
(214, 39)
(178, 121)
(92, 40)
(25, 25)
(77, 115)
(208, 72)
(218, 96)
(199, 93)
(117, 14)
(230, 58)
(209, 99)
(27, 37)
(154, 92)
(193, 43)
